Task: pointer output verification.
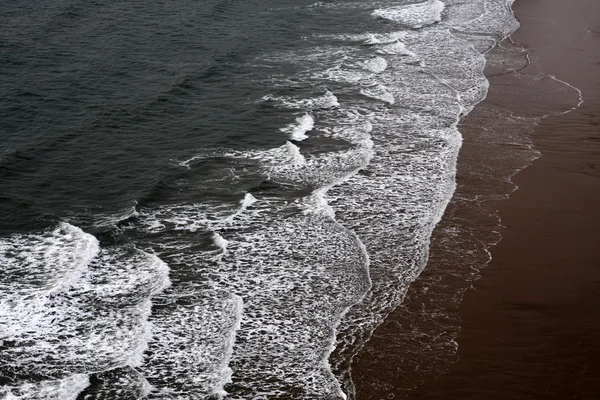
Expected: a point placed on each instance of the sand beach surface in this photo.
(527, 326)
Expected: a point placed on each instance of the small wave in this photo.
(92, 316)
(379, 92)
(221, 243)
(35, 267)
(295, 158)
(297, 130)
(246, 202)
(327, 100)
(113, 219)
(317, 204)
(193, 217)
(396, 47)
(413, 15)
(385, 38)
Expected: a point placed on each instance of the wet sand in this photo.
(530, 325)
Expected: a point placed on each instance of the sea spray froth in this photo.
(285, 252)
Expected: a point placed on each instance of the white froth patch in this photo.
(317, 204)
(375, 65)
(385, 38)
(379, 92)
(247, 201)
(327, 100)
(396, 47)
(36, 267)
(192, 345)
(295, 158)
(297, 129)
(294, 293)
(73, 306)
(413, 15)
(62, 389)
(221, 243)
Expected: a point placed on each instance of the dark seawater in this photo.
(221, 199)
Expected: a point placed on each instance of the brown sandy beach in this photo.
(530, 326)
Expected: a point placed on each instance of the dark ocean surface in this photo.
(205, 199)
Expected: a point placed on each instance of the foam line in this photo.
(579, 93)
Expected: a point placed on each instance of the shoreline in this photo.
(530, 327)
(416, 344)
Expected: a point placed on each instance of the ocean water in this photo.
(222, 199)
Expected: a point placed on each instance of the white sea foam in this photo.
(201, 216)
(376, 64)
(413, 15)
(221, 243)
(396, 47)
(295, 157)
(91, 317)
(192, 345)
(62, 389)
(327, 100)
(402, 191)
(378, 91)
(298, 129)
